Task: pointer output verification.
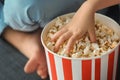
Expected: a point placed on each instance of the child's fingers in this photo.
(61, 40)
(30, 66)
(58, 34)
(71, 42)
(42, 71)
(92, 35)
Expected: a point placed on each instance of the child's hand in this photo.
(82, 22)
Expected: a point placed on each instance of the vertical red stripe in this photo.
(86, 69)
(52, 65)
(97, 69)
(67, 68)
(110, 66)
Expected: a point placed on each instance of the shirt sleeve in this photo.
(2, 24)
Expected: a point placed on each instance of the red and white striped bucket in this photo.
(97, 68)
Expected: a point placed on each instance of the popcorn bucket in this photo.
(93, 68)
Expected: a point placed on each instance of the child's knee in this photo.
(21, 14)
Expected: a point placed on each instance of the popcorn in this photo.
(107, 39)
(113, 44)
(76, 55)
(50, 45)
(87, 49)
(95, 45)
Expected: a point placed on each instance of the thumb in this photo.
(31, 66)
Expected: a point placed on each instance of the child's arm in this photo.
(82, 22)
(100, 4)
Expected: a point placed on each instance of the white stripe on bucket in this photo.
(77, 70)
(104, 67)
(115, 62)
(59, 68)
